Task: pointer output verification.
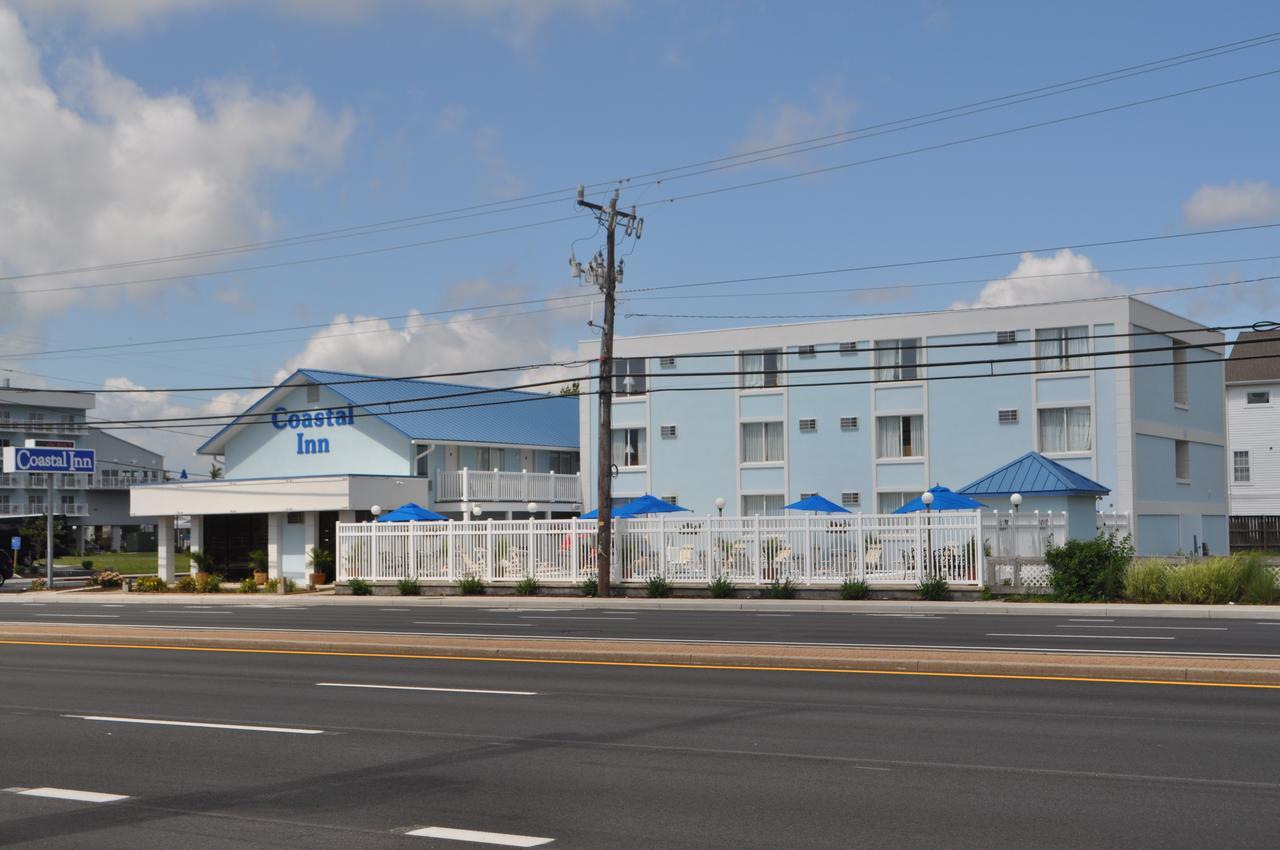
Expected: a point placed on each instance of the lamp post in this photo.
(927, 498)
(375, 510)
(476, 510)
(533, 508)
(1016, 501)
(720, 503)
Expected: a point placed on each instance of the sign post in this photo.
(49, 457)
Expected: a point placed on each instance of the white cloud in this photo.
(1234, 203)
(99, 171)
(1037, 279)
(789, 122)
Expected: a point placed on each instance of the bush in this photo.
(784, 589)
(933, 589)
(409, 587)
(1089, 570)
(657, 587)
(185, 584)
(150, 584)
(87, 565)
(721, 587)
(590, 586)
(360, 587)
(471, 586)
(107, 578)
(527, 587)
(248, 586)
(1147, 581)
(208, 583)
(39, 584)
(273, 586)
(854, 589)
(1257, 581)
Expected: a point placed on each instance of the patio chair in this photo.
(784, 564)
(684, 564)
(871, 559)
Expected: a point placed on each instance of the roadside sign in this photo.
(23, 459)
(15, 543)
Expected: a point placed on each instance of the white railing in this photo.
(1025, 534)
(469, 485)
(879, 549)
(1114, 523)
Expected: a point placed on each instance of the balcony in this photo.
(9, 509)
(545, 488)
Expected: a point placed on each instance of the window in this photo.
(1262, 397)
(667, 432)
(628, 376)
(1180, 392)
(1066, 429)
(848, 423)
(4, 504)
(69, 424)
(37, 422)
(848, 348)
(563, 463)
(760, 368)
(1006, 337)
(762, 442)
(1240, 467)
(628, 447)
(808, 426)
(1007, 417)
(1182, 461)
(899, 436)
(887, 503)
(850, 500)
(1062, 349)
(6, 419)
(313, 393)
(667, 362)
(897, 359)
(488, 458)
(807, 350)
(762, 505)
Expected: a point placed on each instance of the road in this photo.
(614, 757)
(1084, 633)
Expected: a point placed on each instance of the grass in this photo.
(125, 563)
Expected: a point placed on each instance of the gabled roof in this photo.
(1258, 344)
(1033, 474)
(430, 410)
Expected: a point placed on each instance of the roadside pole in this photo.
(48, 532)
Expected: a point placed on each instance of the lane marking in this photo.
(656, 664)
(77, 615)
(1098, 637)
(907, 616)
(422, 688)
(1087, 620)
(198, 611)
(471, 623)
(501, 839)
(70, 794)
(773, 615)
(536, 617)
(395, 609)
(233, 726)
(1156, 628)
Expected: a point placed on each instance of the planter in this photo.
(316, 579)
(259, 577)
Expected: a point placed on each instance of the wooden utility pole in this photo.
(607, 279)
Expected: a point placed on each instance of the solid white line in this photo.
(197, 611)
(471, 623)
(1084, 620)
(773, 615)
(233, 726)
(78, 615)
(502, 839)
(421, 688)
(534, 617)
(70, 794)
(1156, 628)
(907, 616)
(1269, 624)
(1099, 637)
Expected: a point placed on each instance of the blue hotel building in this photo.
(871, 411)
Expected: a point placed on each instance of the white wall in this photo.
(1255, 428)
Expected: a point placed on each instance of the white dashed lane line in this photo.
(500, 839)
(424, 688)
(69, 794)
(115, 616)
(231, 726)
(1097, 637)
(1156, 628)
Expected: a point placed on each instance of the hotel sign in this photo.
(23, 459)
(309, 420)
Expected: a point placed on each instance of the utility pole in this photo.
(603, 272)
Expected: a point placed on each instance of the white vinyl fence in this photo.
(809, 550)
(1027, 534)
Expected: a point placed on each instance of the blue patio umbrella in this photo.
(410, 512)
(642, 506)
(944, 499)
(818, 504)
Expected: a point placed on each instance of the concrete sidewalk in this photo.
(885, 606)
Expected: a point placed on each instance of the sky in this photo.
(139, 130)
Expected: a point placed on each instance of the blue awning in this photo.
(1033, 474)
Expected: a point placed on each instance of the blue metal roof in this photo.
(1033, 474)
(430, 410)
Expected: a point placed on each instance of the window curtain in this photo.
(618, 448)
(773, 441)
(913, 436)
(1079, 438)
(753, 438)
(908, 357)
(1048, 350)
(752, 368)
(886, 359)
(1053, 430)
(888, 436)
(1077, 347)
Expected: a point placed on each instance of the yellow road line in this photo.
(659, 664)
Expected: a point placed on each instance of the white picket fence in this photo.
(1026, 534)
(810, 550)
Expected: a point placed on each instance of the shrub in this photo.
(360, 587)
(471, 586)
(1257, 581)
(258, 560)
(150, 584)
(590, 586)
(721, 587)
(1147, 581)
(87, 565)
(1089, 570)
(657, 587)
(527, 587)
(39, 584)
(202, 562)
(185, 584)
(784, 589)
(854, 589)
(208, 583)
(933, 589)
(248, 586)
(107, 578)
(272, 585)
(409, 587)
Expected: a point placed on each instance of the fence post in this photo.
(488, 549)
(808, 548)
(919, 565)
(413, 551)
(373, 549)
(758, 557)
(529, 565)
(450, 555)
(710, 556)
(662, 545)
(860, 550)
(466, 490)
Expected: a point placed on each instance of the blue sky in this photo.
(155, 127)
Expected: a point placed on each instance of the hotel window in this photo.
(1066, 429)
(1262, 397)
(1240, 467)
(899, 436)
(562, 463)
(807, 350)
(313, 393)
(1182, 461)
(1062, 349)
(36, 423)
(488, 458)
(762, 442)
(4, 504)
(762, 505)
(37, 503)
(628, 447)
(850, 500)
(1180, 392)
(628, 376)
(887, 503)
(897, 359)
(760, 368)
(6, 420)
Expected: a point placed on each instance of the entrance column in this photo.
(165, 556)
(117, 537)
(197, 534)
(275, 534)
(310, 538)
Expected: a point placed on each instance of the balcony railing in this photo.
(13, 509)
(468, 485)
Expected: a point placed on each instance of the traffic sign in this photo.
(15, 543)
(23, 459)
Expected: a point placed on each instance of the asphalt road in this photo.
(1084, 633)
(614, 757)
